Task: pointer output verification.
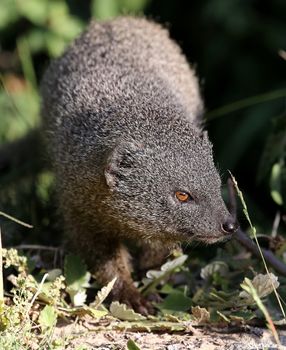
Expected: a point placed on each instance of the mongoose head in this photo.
(170, 192)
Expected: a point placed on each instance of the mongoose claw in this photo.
(141, 305)
(130, 296)
(155, 297)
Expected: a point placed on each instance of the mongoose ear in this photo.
(205, 138)
(121, 161)
(204, 135)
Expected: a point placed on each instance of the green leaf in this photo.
(274, 148)
(131, 345)
(8, 13)
(124, 313)
(152, 326)
(34, 10)
(242, 315)
(176, 302)
(62, 23)
(263, 285)
(45, 181)
(48, 318)
(276, 183)
(84, 310)
(77, 279)
(103, 293)
(95, 313)
(53, 274)
(223, 316)
(36, 39)
(219, 267)
(154, 277)
(55, 44)
(76, 274)
(200, 314)
(104, 9)
(78, 297)
(133, 6)
(168, 289)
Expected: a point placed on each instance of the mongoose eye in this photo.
(183, 196)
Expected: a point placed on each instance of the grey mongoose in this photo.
(122, 113)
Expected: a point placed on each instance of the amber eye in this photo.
(183, 196)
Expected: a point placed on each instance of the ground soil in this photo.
(89, 336)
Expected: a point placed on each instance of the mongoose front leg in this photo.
(113, 260)
(152, 256)
(108, 258)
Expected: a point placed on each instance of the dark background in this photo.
(234, 46)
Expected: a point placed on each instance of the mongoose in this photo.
(123, 118)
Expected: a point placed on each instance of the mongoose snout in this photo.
(229, 227)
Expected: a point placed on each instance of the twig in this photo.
(36, 247)
(58, 252)
(271, 259)
(247, 102)
(7, 216)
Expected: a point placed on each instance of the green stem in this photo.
(253, 230)
(247, 102)
(27, 62)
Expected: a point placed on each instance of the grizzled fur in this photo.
(122, 114)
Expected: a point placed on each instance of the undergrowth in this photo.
(228, 291)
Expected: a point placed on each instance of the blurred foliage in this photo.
(234, 46)
(48, 25)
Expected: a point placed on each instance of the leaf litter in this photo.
(227, 293)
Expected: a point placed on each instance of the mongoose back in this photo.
(122, 114)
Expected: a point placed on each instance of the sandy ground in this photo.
(90, 337)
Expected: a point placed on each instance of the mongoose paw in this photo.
(155, 298)
(141, 305)
(129, 295)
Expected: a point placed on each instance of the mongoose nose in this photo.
(229, 227)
